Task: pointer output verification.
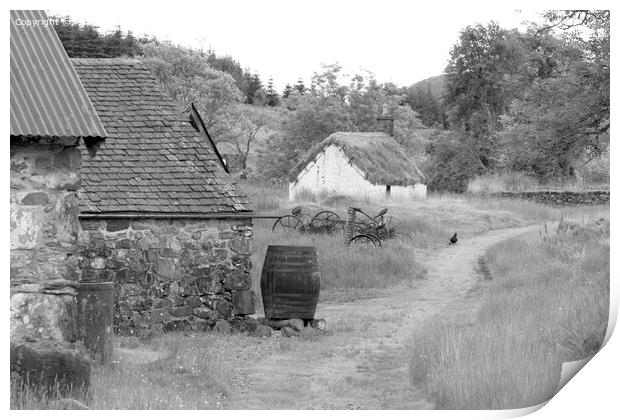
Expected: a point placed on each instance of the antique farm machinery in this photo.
(359, 228)
(324, 221)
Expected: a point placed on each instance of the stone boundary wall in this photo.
(559, 198)
(170, 274)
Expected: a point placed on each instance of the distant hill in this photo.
(436, 83)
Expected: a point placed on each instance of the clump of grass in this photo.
(28, 396)
(548, 303)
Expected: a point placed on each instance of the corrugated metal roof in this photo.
(47, 97)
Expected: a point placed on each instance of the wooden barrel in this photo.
(95, 302)
(290, 282)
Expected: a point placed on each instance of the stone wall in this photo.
(560, 198)
(170, 273)
(44, 264)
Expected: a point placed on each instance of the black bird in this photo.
(453, 239)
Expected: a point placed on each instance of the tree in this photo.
(288, 89)
(300, 87)
(260, 97)
(227, 64)
(85, 41)
(483, 77)
(452, 162)
(253, 84)
(187, 77)
(244, 126)
(406, 124)
(564, 113)
(480, 72)
(272, 97)
(429, 107)
(315, 119)
(278, 155)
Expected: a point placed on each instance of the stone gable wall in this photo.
(170, 273)
(44, 232)
(45, 348)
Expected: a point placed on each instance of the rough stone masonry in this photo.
(44, 261)
(170, 274)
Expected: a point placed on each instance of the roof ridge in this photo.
(113, 60)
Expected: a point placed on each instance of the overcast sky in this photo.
(400, 42)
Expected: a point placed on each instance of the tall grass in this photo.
(530, 211)
(517, 181)
(548, 303)
(307, 195)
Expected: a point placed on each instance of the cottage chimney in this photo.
(386, 121)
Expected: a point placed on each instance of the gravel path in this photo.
(360, 362)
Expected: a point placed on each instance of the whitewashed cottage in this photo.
(370, 165)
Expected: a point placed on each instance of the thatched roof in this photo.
(377, 155)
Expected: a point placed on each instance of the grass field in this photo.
(556, 280)
(548, 302)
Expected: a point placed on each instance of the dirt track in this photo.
(362, 363)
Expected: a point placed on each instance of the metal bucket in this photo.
(290, 282)
(95, 304)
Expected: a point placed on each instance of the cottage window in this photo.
(388, 191)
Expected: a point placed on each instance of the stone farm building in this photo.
(52, 136)
(371, 165)
(160, 216)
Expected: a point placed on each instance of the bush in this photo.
(452, 163)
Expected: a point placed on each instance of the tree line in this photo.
(533, 101)
(84, 40)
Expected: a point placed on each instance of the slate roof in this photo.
(377, 155)
(154, 161)
(47, 98)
